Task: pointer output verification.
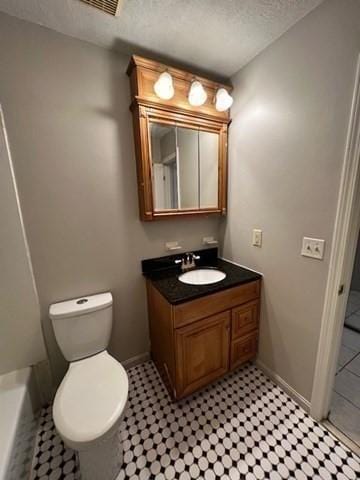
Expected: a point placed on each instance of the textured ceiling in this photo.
(217, 36)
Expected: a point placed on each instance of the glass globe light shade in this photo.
(197, 95)
(163, 87)
(223, 100)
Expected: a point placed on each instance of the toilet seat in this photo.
(90, 400)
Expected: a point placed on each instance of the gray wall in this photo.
(21, 340)
(67, 109)
(286, 150)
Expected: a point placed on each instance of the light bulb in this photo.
(197, 95)
(223, 100)
(163, 87)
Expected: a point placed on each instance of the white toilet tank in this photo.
(82, 326)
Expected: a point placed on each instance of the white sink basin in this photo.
(202, 276)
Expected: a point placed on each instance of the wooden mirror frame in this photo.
(147, 108)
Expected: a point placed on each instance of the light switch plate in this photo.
(313, 247)
(257, 237)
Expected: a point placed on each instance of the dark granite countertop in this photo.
(164, 274)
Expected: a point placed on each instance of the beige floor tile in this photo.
(354, 296)
(351, 308)
(345, 355)
(345, 417)
(353, 322)
(354, 366)
(347, 384)
(351, 339)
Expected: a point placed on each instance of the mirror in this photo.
(165, 167)
(209, 169)
(185, 166)
(188, 156)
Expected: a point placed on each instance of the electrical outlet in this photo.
(257, 237)
(313, 247)
(210, 241)
(171, 246)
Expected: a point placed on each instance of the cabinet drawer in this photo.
(189, 312)
(244, 319)
(243, 349)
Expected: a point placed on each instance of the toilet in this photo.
(90, 401)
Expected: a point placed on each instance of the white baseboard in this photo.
(133, 361)
(303, 402)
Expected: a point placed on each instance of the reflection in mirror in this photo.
(208, 169)
(185, 164)
(188, 161)
(164, 164)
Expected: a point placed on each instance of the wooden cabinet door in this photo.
(202, 352)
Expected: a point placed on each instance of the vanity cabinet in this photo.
(195, 342)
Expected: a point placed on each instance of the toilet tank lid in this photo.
(80, 305)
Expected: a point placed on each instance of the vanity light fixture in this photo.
(197, 95)
(223, 100)
(163, 87)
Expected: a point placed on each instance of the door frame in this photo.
(343, 249)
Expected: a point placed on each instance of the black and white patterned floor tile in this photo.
(52, 460)
(241, 427)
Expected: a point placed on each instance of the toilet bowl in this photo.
(91, 399)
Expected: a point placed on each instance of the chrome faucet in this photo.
(188, 261)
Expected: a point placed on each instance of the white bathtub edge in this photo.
(18, 407)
